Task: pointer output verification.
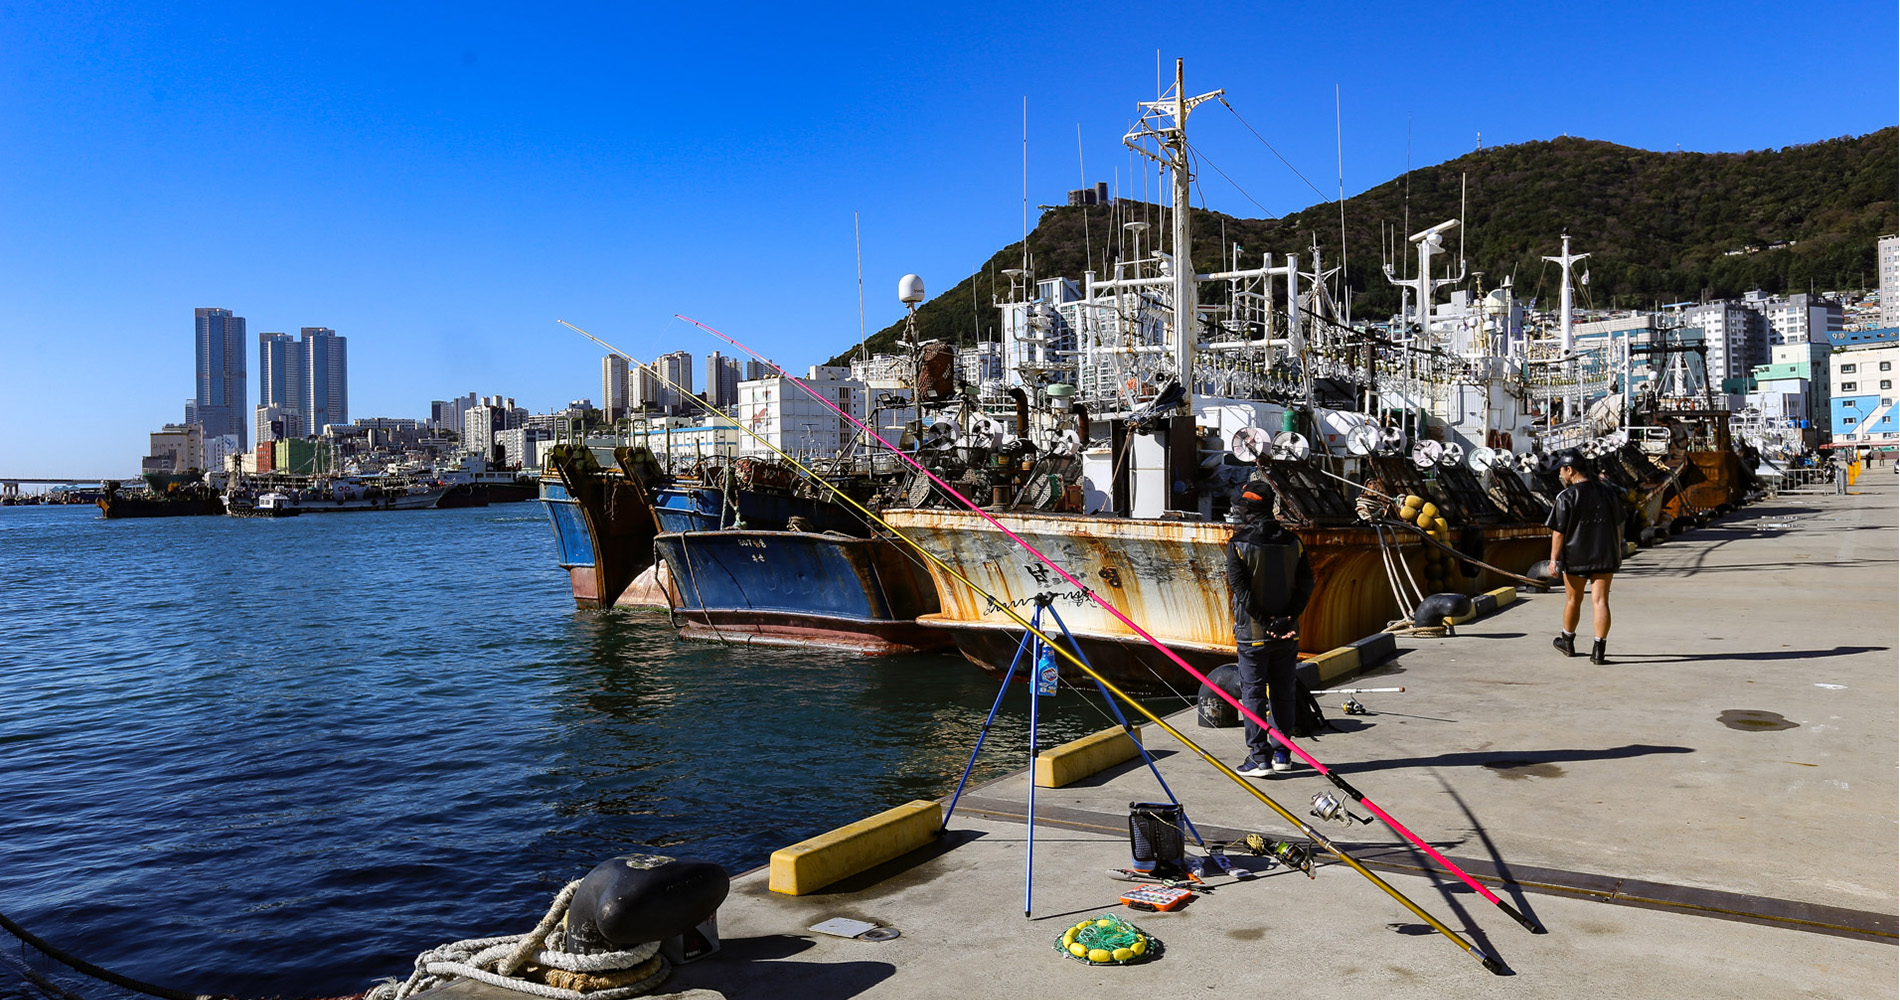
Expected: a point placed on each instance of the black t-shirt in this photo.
(1590, 517)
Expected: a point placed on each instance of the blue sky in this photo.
(440, 183)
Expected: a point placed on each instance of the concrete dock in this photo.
(1711, 814)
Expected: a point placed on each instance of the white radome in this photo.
(910, 289)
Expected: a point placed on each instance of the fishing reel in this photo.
(1354, 706)
(1326, 806)
(1292, 854)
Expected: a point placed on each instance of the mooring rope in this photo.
(561, 975)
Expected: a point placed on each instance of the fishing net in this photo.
(1108, 940)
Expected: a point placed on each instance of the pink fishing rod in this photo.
(1339, 782)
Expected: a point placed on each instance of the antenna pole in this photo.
(1025, 182)
(1339, 145)
(857, 237)
(1184, 304)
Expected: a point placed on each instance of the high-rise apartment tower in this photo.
(218, 404)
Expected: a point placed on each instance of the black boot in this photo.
(1566, 644)
(1596, 653)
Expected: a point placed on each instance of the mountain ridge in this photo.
(1659, 226)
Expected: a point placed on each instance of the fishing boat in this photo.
(270, 504)
(353, 494)
(603, 519)
(741, 550)
(1132, 410)
(165, 495)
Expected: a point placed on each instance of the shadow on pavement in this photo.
(809, 980)
(1511, 758)
(1778, 654)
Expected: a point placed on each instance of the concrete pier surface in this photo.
(1711, 814)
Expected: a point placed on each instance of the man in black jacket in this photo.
(1270, 582)
(1586, 543)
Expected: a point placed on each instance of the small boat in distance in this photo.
(272, 504)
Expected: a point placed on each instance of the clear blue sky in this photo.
(440, 183)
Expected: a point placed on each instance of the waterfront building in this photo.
(1808, 363)
(1888, 255)
(677, 370)
(484, 420)
(1863, 394)
(1857, 338)
(516, 447)
(280, 373)
(448, 414)
(787, 417)
(1611, 333)
(613, 387)
(176, 448)
(980, 363)
(275, 422)
(326, 395)
(222, 388)
(722, 380)
(1799, 319)
(679, 443)
(645, 394)
(301, 456)
(882, 370)
(219, 450)
(1737, 339)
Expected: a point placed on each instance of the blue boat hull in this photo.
(603, 528)
(799, 588)
(687, 507)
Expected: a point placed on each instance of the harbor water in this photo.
(280, 757)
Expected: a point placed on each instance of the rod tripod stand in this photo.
(1042, 678)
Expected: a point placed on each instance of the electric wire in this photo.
(1264, 142)
(1203, 157)
(1483, 957)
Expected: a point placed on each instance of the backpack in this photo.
(1309, 721)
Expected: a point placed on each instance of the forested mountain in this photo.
(1659, 227)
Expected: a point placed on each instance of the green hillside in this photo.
(1657, 226)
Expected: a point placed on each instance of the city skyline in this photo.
(444, 189)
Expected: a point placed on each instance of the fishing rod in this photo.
(1339, 782)
(1491, 964)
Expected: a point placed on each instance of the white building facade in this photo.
(1889, 259)
(783, 413)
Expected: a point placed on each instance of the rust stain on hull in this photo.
(1167, 576)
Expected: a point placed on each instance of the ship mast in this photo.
(1565, 260)
(1165, 121)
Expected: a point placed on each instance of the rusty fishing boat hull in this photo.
(799, 589)
(603, 523)
(1168, 576)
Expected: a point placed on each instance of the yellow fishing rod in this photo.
(1490, 963)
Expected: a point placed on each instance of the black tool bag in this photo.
(1155, 839)
(1309, 721)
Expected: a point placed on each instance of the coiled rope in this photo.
(510, 960)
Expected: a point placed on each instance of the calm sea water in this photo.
(282, 756)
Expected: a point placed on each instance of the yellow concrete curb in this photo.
(1075, 760)
(1335, 663)
(812, 864)
(1504, 595)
